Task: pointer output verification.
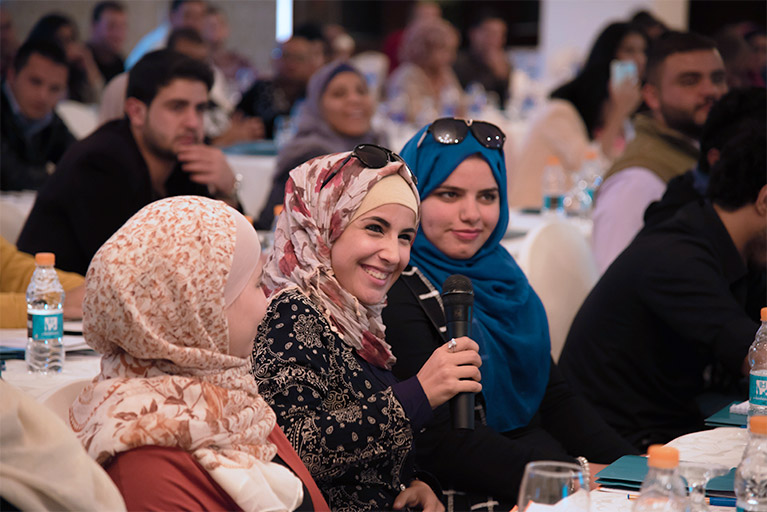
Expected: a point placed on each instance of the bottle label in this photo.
(44, 325)
(757, 393)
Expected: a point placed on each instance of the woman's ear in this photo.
(761, 202)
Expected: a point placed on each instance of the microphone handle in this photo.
(462, 404)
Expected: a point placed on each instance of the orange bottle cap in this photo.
(664, 457)
(552, 160)
(591, 154)
(277, 209)
(763, 314)
(45, 258)
(758, 425)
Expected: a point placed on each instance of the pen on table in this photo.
(717, 501)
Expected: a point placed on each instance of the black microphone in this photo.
(458, 299)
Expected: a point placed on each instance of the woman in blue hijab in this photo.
(526, 411)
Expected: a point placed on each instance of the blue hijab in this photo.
(509, 322)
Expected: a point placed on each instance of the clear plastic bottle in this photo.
(663, 489)
(751, 475)
(591, 172)
(45, 318)
(757, 360)
(554, 186)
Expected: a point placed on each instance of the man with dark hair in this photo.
(271, 98)
(182, 14)
(675, 303)
(109, 26)
(685, 77)
(485, 61)
(32, 136)
(735, 108)
(156, 151)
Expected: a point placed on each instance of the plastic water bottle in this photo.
(757, 360)
(45, 317)
(751, 475)
(591, 172)
(663, 489)
(554, 186)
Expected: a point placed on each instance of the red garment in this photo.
(162, 478)
(293, 461)
(391, 46)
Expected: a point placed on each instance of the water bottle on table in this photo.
(751, 475)
(757, 360)
(45, 317)
(554, 186)
(663, 489)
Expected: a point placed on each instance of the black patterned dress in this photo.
(351, 423)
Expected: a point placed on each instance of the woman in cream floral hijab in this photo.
(173, 300)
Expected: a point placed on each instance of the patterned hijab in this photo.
(509, 321)
(156, 294)
(312, 220)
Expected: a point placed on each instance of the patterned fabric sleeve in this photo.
(348, 427)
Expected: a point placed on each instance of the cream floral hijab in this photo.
(154, 306)
(312, 220)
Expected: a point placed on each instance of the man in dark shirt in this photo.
(32, 137)
(485, 61)
(674, 302)
(109, 26)
(270, 99)
(156, 151)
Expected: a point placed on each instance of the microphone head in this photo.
(457, 290)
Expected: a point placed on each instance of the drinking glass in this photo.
(554, 483)
(697, 475)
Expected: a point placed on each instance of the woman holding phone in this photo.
(606, 92)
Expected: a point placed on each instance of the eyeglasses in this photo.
(453, 131)
(373, 157)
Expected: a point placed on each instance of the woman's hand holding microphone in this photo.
(453, 368)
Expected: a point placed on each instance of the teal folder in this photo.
(629, 471)
(725, 418)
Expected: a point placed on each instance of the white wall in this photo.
(568, 28)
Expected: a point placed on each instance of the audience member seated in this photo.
(675, 303)
(219, 125)
(109, 26)
(33, 136)
(9, 43)
(738, 57)
(174, 415)
(757, 39)
(685, 77)
(607, 106)
(485, 61)
(156, 151)
(335, 117)
(652, 27)
(271, 98)
(420, 10)
(424, 86)
(17, 268)
(318, 50)
(320, 357)
(85, 81)
(43, 466)
(735, 108)
(237, 68)
(182, 14)
(527, 411)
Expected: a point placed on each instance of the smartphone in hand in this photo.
(623, 70)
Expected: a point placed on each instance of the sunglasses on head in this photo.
(453, 131)
(372, 156)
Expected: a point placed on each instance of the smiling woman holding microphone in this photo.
(526, 410)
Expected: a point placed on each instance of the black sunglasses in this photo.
(373, 157)
(448, 130)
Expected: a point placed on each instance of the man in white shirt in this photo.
(685, 77)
